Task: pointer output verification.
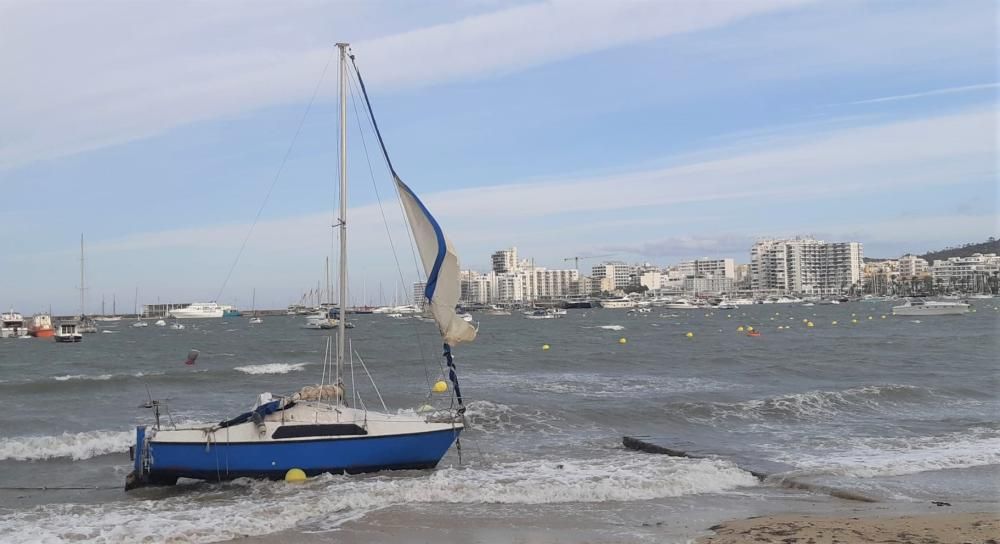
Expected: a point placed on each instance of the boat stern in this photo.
(138, 454)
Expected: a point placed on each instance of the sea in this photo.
(905, 410)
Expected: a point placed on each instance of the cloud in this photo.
(847, 160)
(688, 246)
(934, 92)
(79, 77)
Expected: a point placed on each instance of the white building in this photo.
(651, 279)
(418, 294)
(805, 266)
(912, 266)
(709, 268)
(476, 287)
(965, 273)
(707, 286)
(619, 273)
(505, 260)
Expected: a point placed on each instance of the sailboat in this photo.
(321, 429)
(135, 310)
(254, 320)
(84, 323)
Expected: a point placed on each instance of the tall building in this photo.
(805, 266)
(418, 293)
(708, 268)
(620, 275)
(505, 260)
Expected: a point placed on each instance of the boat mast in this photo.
(341, 329)
(81, 275)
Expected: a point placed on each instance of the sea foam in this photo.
(76, 446)
(262, 507)
(271, 368)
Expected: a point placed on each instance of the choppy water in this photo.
(903, 409)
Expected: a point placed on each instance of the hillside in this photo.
(990, 246)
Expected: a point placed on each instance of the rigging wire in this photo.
(277, 175)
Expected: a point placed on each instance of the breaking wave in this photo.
(69, 377)
(867, 457)
(271, 368)
(246, 507)
(811, 405)
(76, 446)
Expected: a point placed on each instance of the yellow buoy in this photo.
(883, 317)
(623, 340)
(749, 328)
(739, 329)
(777, 313)
(854, 315)
(440, 386)
(772, 319)
(780, 327)
(809, 323)
(295, 475)
(689, 335)
(545, 347)
(804, 320)
(834, 323)
(854, 321)
(729, 315)
(869, 317)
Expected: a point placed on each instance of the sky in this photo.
(167, 133)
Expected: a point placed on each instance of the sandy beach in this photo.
(978, 528)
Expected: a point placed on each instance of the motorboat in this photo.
(680, 304)
(539, 314)
(256, 321)
(68, 332)
(160, 323)
(198, 310)
(930, 307)
(12, 325)
(618, 303)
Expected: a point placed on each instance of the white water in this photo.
(261, 507)
(869, 457)
(73, 445)
(271, 368)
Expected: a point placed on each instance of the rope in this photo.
(277, 175)
(57, 487)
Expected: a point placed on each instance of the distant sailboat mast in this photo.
(82, 287)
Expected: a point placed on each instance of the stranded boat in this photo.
(323, 429)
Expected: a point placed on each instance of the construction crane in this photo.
(576, 259)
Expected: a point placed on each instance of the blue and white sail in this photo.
(441, 266)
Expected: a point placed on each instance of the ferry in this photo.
(41, 326)
(12, 325)
(199, 310)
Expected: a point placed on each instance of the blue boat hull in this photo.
(164, 462)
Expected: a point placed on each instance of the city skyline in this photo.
(714, 129)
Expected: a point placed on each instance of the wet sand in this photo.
(794, 519)
(978, 528)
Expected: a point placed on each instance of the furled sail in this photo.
(441, 265)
